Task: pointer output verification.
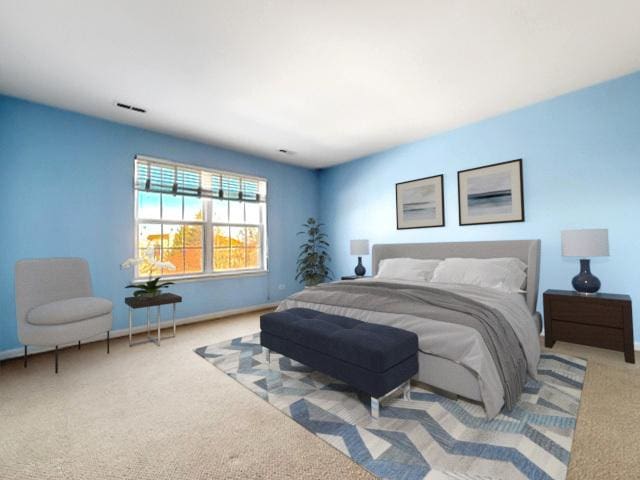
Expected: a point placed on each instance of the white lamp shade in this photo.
(359, 247)
(592, 242)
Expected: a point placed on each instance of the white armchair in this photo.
(55, 306)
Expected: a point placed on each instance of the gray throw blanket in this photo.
(439, 305)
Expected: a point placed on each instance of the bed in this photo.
(451, 358)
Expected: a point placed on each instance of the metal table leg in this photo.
(158, 322)
(130, 324)
(157, 338)
(174, 319)
(149, 337)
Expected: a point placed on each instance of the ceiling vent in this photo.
(130, 107)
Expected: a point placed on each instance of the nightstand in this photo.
(353, 277)
(602, 320)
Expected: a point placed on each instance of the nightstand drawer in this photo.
(587, 312)
(592, 335)
(604, 320)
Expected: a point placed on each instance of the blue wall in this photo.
(581, 161)
(66, 190)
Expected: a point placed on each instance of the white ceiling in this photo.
(331, 80)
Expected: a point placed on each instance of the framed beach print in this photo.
(420, 203)
(491, 194)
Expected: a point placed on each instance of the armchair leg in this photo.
(108, 342)
(56, 358)
(25, 356)
(78, 344)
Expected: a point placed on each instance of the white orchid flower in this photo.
(150, 253)
(165, 265)
(130, 262)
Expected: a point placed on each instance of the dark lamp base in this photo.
(585, 282)
(360, 270)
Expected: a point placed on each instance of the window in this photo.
(204, 222)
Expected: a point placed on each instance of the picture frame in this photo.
(491, 194)
(420, 203)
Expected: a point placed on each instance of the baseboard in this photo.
(124, 332)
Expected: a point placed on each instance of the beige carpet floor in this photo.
(165, 413)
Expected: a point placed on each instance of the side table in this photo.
(148, 302)
(602, 320)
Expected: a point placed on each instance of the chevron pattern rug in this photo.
(429, 436)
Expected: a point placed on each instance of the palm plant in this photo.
(313, 257)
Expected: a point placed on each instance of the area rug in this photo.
(429, 436)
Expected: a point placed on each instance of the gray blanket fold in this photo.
(439, 305)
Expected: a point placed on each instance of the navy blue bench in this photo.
(375, 359)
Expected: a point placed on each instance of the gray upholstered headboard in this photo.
(526, 250)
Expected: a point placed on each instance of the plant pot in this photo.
(150, 294)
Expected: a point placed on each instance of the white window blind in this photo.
(163, 177)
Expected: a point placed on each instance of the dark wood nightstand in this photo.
(353, 277)
(602, 320)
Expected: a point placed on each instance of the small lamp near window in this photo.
(359, 248)
(585, 243)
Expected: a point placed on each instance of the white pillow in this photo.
(410, 269)
(507, 262)
(504, 274)
(511, 263)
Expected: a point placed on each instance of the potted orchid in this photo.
(153, 286)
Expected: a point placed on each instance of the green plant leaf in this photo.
(311, 263)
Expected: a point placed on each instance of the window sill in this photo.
(206, 276)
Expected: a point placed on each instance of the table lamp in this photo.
(585, 243)
(360, 247)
